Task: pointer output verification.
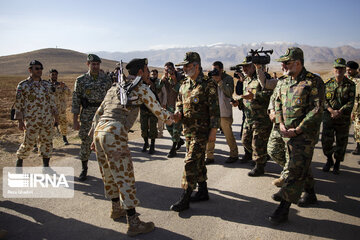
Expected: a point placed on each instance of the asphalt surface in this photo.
(237, 209)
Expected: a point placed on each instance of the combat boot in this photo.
(136, 226)
(202, 194)
(46, 162)
(336, 169)
(184, 202)
(329, 163)
(83, 174)
(258, 170)
(146, 145)
(180, 143)
(172, 152)
(65, 140)
(152, 147)
(277, 196)
(247, 157)
(209, 161)
(357, 149)
(308, 198)
(231, 159)
(19, 163)
(278, 182)
(281, 213)
(117, 211)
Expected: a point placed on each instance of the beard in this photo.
(190, 73)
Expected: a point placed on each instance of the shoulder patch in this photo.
(309, 75)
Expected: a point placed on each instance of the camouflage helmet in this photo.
(293, 53)
(190, 57)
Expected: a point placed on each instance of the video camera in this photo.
(256, 58)
(238, 71)
(214, 72)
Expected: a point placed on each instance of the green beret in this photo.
(35, 62)
(339, 62)
(190, 57)
(293, 53)
(137, 63)
(53, 70)
(93, 58)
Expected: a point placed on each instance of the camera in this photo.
(152, 79)
(214, 72)
(238, 71)
(256, 58)
(170, 71)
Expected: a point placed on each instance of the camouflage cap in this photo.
(35, 62)
(246, 61)
(293, 53)
(190, 57)
(93, 58)
(339, 62)
(53, 70)
(137, 63)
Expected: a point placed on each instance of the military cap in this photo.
(293, 53)
(339, 62)
(53, 70)
(190, 57)
(352, 65)
(137, 63)
(93, 58)
(246, 61)
(35, 62)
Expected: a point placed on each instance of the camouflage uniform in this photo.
(35, 104)
(300, 104)
(61, 94)
(199, 106)
(111, 124)
(257, 125)
(148, 120)
(356, 80)
(89, 92)
(339, 96)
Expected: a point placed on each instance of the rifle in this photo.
(121, 81)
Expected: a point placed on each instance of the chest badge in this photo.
(212, 91)
(298, 101)
(87, 91)
(328, 95)
(195, 100)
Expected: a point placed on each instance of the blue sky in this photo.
(128, 25)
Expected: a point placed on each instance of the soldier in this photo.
(148, 120)
(353, 74)
(257, 123)
(89, 91)
(61, 94)
(339, 102)
(35, 110)
(172, 81)
(225, 87)
(298, 109)
(161, 93)
(110, 127)
(198, 108)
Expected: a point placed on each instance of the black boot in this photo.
(247, 157)
(329, 163)
(277, 196)
(357, 149)
(336, 169)
(180, 143)
(258, 170)
(308, 198)
(172, 152)
(83, 173)
(65, 140)
(281, 213)
(202, 193)
(19, 163)
(46, 162)
(146, 145)
(152, 147)
(183, 203)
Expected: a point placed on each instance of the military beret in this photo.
(190, 57)
(339, 62)
(53, 70)
(93, 58)
(35, 62)
(352, 65)
(137, 63)
(293, 53)
(246, 61)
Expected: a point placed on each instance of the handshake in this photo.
(174, 118)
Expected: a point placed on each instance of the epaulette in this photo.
(328, 80)
(310, 75)
(23, 82)
(283, 77)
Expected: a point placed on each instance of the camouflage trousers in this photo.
(116, 167)
(175, 131)
(195, 169)
(276, 150)
(148, 122)
(337, 132)
(357, 129)
(86, 141)
(255, 138)
(63, 124)
(299, 152)
(37, 132)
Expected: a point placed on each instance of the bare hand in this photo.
(21, 125)
(235, 103)
(92, 147)
(272, 115)
(177, 117)
(335, 114)
(249, 96)
(76, 125)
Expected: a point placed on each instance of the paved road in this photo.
(237, 209)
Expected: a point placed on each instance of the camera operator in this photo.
(225, 87)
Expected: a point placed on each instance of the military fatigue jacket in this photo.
(198, 104)
(35, 100)
(61, 93)
(172, 90)
(91, 90)
(340, 96)
(300, 102)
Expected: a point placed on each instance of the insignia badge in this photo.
(314, 91)
(338, 60)
(212, 91)
(18, 95)
(195, 100)
(253, 91)
(298, 101)
(328, 95)
(87, 91)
